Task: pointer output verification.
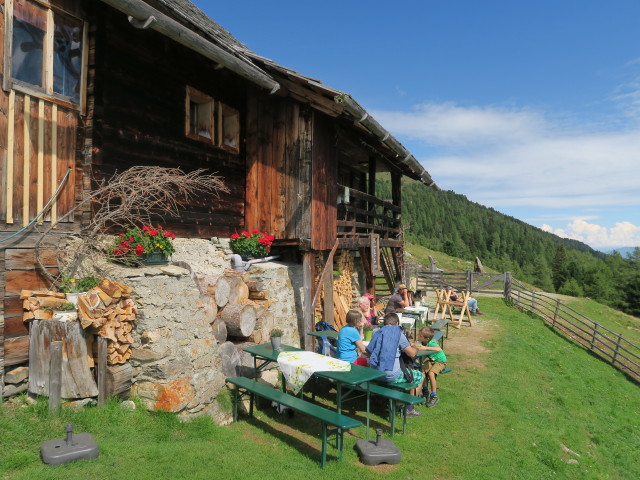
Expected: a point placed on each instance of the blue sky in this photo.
(532, 108)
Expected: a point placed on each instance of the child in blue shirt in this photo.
(349, 340)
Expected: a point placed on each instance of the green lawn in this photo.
(516, 411)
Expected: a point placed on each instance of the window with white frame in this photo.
(46, 50)
(211, 121)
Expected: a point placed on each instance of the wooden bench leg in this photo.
(323, 460)
(392, 415)
(251, 399)
(236, 399)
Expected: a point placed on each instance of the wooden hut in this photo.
(90, 87)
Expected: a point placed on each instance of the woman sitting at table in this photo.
(365, 305)
(349, 341)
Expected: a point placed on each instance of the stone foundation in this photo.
(177, 366)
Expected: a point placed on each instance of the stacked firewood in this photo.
(107, 311)
(343, 288)
(39, 304)
(237, 308)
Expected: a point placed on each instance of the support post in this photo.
(327, 300)
(507, 285)
(55, 376)
(308, 264)
(102, 371)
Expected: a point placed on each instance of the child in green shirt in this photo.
(436, 363)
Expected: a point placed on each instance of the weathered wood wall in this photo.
(38, 141)
(140, 91)
(278, 195)
(324, 182)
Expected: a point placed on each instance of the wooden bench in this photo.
(439, 335)
(326, 417)
(398, 401)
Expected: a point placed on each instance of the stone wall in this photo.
(176, 359)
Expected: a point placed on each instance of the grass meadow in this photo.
(525, 404)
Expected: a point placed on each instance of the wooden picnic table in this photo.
(355, 380)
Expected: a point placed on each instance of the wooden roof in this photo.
(306, 89)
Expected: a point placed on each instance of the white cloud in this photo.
(504, 158)
(622, 234)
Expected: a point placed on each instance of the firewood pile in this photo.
(107, 311)
(237, 307)
(343, 289)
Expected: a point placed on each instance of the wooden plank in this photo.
(54, 161)
(28, 280)
(55, 375)
(26, 157)
(40, 190)
(14, 327)
(277, 170)
(25, 258)
(10, 155)
(46, 157)
(4, 107)
(252, 161)
(16, 350)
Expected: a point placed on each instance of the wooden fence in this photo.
(475, 282)
(608, 345)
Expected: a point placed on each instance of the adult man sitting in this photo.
(399, 300)
(385, 347)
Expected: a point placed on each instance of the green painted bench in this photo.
(438, 326)
(397, 401)
(326, 417)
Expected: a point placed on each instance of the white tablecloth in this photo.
(297, 367)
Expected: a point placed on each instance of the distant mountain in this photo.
(621, 250)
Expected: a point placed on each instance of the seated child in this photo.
(433, 366)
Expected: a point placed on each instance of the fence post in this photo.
(55, 376)
(507, 285)
(595, 332)
(555, 313)
(533, 302)
(469, 280)
(615, 352)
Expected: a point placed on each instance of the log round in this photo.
(239, 291)
(222, 290)
(230, 359)
(240, 319)
(210, 308)
(219, 330)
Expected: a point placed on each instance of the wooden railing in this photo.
(612, 347)
(470, 281)
(607, 344)
(361, 214)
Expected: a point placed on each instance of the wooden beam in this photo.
(26, 167)
(10, 140)
(308, 262)
(54, 161)
(40, 197)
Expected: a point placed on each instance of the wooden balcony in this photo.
(362, 216)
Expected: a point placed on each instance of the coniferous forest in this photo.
(449, 222)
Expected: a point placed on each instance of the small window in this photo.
(229, 124)
(200, 115)
(46, 51)
(210, 121)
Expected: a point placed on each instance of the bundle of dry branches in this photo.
(129, 198)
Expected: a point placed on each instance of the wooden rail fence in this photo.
(611, 346)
